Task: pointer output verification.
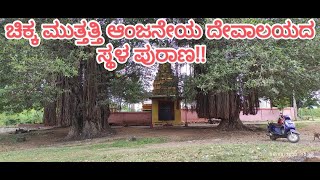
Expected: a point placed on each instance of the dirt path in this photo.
(196, 134)
(177, 137)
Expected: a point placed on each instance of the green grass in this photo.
(12, 138)
(123, 143)
(303, 124)
(138, 142)
(155, 149)
(76, 152)
(128, 151)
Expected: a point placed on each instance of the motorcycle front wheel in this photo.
(292, 137)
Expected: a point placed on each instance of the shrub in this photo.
(25, 117)
(309, 112)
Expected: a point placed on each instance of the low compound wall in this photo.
(265, 114)
(144, 118)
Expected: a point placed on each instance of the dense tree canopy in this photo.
(65, 80)
(75, 90)
(238, 72)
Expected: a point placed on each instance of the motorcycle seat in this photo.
(277, 125)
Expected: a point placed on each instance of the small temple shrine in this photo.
(165, 106)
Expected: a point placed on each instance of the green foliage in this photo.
(189, 87)
(25, 117)
(27, 74)
(127, 88)
(306, 112)
(276, 68)
(308, 100)
(281, 103)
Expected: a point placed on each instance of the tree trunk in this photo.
(77, 105)
(295, 108)
(50, 106)
(231, 117)
(77, 119)
(225, 106)
(89, 90)
(232, 124)
(64, 103)
(105, 114)
(49, 114)
(93, 120)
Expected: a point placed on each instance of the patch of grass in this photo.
(91, 152)
(138, 142)
(262, 126)
(11, 138)
(303, 124)
(125, 143)
(138, 151)
(218, 153)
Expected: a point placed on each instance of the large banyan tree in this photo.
(65, 81)
(222, 91)
(226, 105)
(239, 72)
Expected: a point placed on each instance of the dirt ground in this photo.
(195, 133)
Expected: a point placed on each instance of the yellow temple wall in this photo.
(155, 118)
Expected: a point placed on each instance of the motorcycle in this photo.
(286, 130)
